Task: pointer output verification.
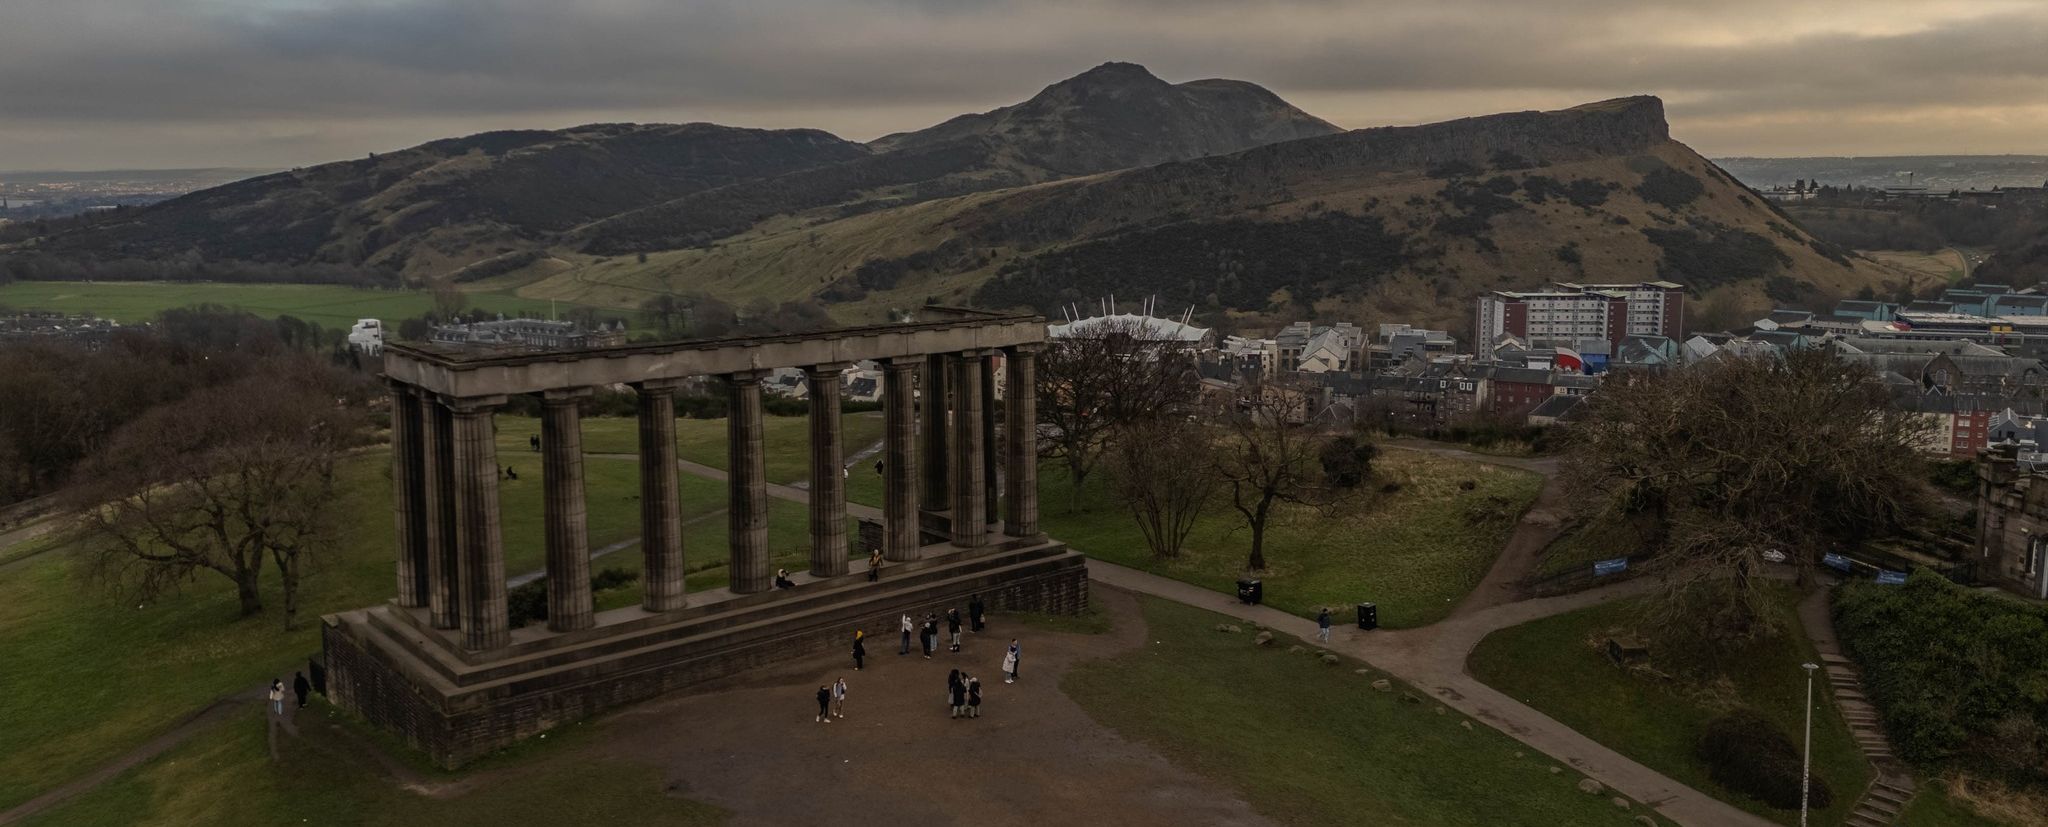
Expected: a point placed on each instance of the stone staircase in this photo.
(1886, 798)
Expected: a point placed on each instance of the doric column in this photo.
(661, 515)
(747, 475)
(565, 514)
(408, 496)
(828, 472)
(1021, 474)
(899, 463)
(443, 535)
(990, 452)
(967, 517)
(937, 493)
(479, 551)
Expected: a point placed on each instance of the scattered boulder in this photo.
(1620, 803)
(1646, 821)
(1442, 711)
(1264, 639)
(1410, 697)
(1295, 650)
(1233, 629)
(1331, 660)
(1518, 753)
(1223, 627)
(1362, 671)
(1556, 770)
(1383, 685)
(1465, 724)
(1591, 787)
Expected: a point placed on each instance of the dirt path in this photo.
(217, 711)
(1033, 758)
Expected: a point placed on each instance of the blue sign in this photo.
(1836, 561)
(1891, 578)
(1607, 567)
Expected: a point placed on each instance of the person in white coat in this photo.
(1010, 664)
(907, 626)
(839, 698)
(277, 697)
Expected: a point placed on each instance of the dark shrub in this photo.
(528, 603)
(613, 578)
(1746, 753)
(1670, 187)
(1347, 461)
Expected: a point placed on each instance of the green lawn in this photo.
(1553, 666)
(1415, 552)
(787, 440)
(329, 306)
(1932, 807)
(225, 776)
(1306, 743)
(150, 665)
(1584, 544)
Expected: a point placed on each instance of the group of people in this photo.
(832, 701)
(300, 687)
(963, 694)
(928, 632)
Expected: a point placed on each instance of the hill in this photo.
(470, 208)
(1114, 116)
(1400, 223)
(429, 210)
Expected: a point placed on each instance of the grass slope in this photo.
(1415, 552)
(225, 776)
(329, 306)
(1307, 743)
(89, 676)
(1551, 665)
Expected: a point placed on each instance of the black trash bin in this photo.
(1368, 616)
(1250, 592)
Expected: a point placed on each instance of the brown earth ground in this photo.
(1034, 757)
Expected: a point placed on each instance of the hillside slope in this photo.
(430, 209)
(1114, 116)
(1401, 224)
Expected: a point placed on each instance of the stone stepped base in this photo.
(386, 663)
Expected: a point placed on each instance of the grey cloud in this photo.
(288, 81)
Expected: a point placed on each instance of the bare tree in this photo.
(1161, 470)
(1271, 455)
(227, 480)
(449, 302)
(1104, 378)
(1724, 461)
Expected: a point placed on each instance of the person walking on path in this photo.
(1010, 663)
(1323, 625)
(953, 628)
(824, 704)
(301, 687)
(860, 648)
(958, 695)
(875, 566)
(973, 697)
(906, 636)
(277, 697)
(975, 612)
(839, 698)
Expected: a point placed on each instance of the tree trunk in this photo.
(245, 588)
(1258, 558)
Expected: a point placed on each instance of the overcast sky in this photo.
(161, 83)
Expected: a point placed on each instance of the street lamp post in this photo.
(1806, 757)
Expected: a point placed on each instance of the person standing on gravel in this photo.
(1010, 659)
(958, 696)
(906, 636)
(860, 648)
(973, 697)
(953, 628)
(824, 704)
(975, 611)
(839, 698)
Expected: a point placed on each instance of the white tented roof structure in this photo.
(1151, 328)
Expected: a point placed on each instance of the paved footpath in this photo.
(1433, 660)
